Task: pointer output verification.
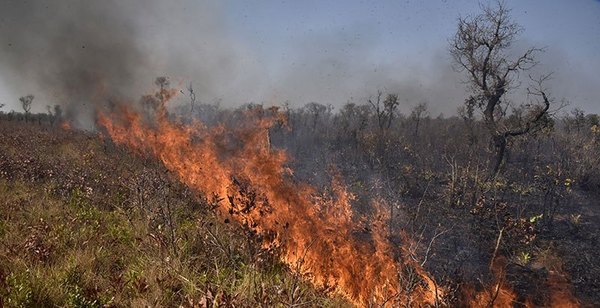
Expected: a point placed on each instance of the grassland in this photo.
(85, 224)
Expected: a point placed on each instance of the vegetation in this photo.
(480, 48)
(511, 222)
(79, 230)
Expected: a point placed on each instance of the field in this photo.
(284, 154)
(85, 224)
(90, 222)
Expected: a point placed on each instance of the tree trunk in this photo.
(500, 150)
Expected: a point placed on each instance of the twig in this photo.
(431, 243)
(296, 276)
(496, 248)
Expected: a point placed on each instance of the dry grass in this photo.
(84, 224)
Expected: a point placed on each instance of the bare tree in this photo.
(152, 102)
(576, 121)
(317, 112)
(26, 102)
(417, 114)
(192, 95)
(379, 111)
(192, 98)
(55, 113)
(384, 108)
(164, 83)
(390, 104)
(480, 49)
(58, 111)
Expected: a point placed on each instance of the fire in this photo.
(500, 294)
(312, 232)
(559, 286)
(561, 295)
(65, 125)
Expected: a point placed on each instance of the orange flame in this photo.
(251, 183)
(65, 125)
(498, 293)
(560, 291)
(561, 295)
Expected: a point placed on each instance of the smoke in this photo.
(572, 79)
(82, 54)
(344, 65)
(75, 52)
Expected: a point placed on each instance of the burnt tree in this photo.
(384, 109)
(480, 48)
(26, 102)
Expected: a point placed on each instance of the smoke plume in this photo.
(75, 51)
(82, 54)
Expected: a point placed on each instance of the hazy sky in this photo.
(273, 51)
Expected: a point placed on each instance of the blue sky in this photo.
(325, 51)
(402, 24)
(414, 34)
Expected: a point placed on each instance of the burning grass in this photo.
(313, 232)
(87, 223)
(251, 184)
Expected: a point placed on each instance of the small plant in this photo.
(523, 258)
(77, 299)
(19, 293)
(575, 219)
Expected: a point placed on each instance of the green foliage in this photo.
(76, 299)
(18, 291)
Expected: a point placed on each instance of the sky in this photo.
(237, 51)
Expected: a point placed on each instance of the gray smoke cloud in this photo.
(343, 65)
(77, 53)
(80, 54)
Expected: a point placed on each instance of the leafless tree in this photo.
(192, 95)
(417, 114)
(54, 113)
(384, 108)
(152, 102)
(354, 118)
(164, 83)
(192, 98)
(26, 102)
(379, 111)
(390, 104)
(480, 49)
(317, 112)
